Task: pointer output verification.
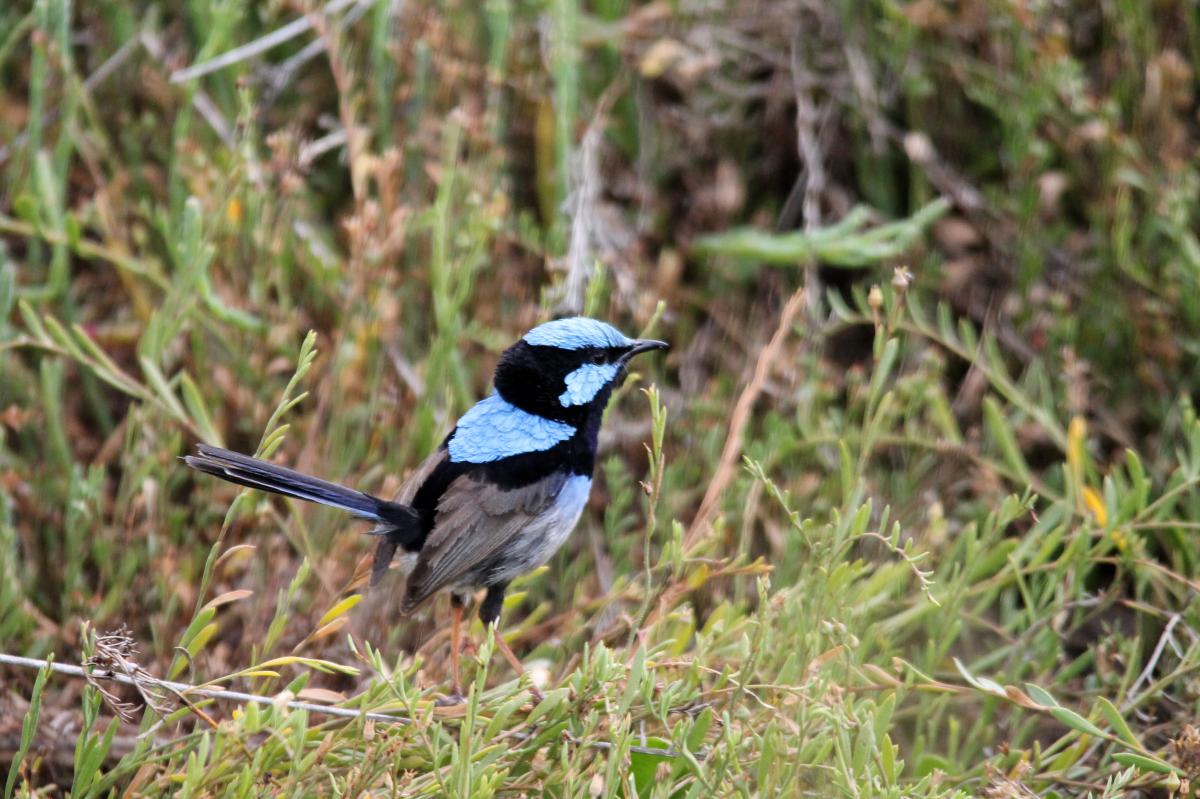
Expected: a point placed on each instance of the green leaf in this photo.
(992, 561)
(846, 463)
(1118, 721)
(699, 730)
(883, 715)
(8, 290)
(162, 389)
(1077, 722)
(928, 763)
(202, 637)
(73, 230)
(94, 751)
(887, 758)
(1000, 431)
(644, 766)
(1145, 763)
(198, 410)
(60, 336)
(550, 702)
(981, 683)
(339, 609)
(25, 206)
(33, 322)
(1040, 695)
(848, 243)
(199, 622)
(637, 671)
(881, 373)
(502, 714)
(28, 727)
(1140, 485)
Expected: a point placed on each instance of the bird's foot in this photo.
(453, 698)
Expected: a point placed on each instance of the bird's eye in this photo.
(598, 356)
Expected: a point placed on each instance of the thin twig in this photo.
(580, 266)
(810, 120)
(280, 76)
(604, 579)
(922, 575)
(355, 137)
(259, 45)
(525, 735)
(311, 151)
(87, 248)
(641, 750)
(732, 452)
(183, 689)
(102, 73)
(205, 106)
(1152, 663)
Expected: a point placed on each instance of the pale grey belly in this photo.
(539, 539)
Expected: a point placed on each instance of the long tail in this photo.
(400, 524)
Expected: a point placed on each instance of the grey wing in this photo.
(474, 521)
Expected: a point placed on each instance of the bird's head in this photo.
(566, 368)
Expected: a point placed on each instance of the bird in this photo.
(500, 494)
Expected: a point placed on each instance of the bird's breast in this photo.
(545, 533)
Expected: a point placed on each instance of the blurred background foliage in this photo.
(927, 528)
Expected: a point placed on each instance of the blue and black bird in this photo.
(504, 489)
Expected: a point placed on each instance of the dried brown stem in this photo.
(727, 466)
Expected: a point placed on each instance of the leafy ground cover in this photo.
(909, 510)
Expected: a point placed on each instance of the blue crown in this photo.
(576, 333)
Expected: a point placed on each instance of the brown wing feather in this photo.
(408, 491)
(474, 520)
(385, 550)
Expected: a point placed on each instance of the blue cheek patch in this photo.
(585, 382)
(496, 429)
(576, 333)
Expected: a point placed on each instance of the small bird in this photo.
(504, 489)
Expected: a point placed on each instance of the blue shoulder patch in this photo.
(586, 381)
(576, 333)
(495, 428)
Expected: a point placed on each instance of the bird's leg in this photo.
(489, 614)
(456, 613)
(538, 696)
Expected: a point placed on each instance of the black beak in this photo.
(643, 345)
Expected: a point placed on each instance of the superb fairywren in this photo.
(501, 493)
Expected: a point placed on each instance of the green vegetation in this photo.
(929, 528)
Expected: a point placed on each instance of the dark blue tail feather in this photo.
(255, 473)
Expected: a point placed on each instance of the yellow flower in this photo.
(1076, 440)
(1120, 540)
(1096, 505)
